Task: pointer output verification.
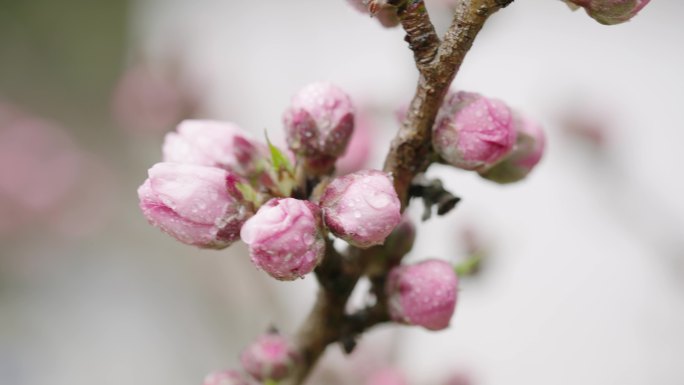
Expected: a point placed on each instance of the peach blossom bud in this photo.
(284, 238)
(270, 357)
(319, 122)
(611, 12)
(384, 13)
(227, 377)
(197, 205)
(362, 208)
(526, 154)
(213, 143)
(423, 294)
(473, 132)
(387, 376)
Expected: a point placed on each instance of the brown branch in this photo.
(411, 150)
(327, 322)
(410, 154)
(420, 33)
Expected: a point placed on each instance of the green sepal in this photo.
(278, 160)
(248, 193)
(469, 266)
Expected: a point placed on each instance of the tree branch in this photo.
(411, 150)
(410, 154)
(327, 323)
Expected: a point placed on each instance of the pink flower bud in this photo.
(319, 122)
(197, 205)
(423, 294)
(270, 357)
(226, 377)
(213, 143)
(473, 132)
(611, 11)
(284, 238)
(384, 13)
(362, 208)
(526, 154)
(387, 376)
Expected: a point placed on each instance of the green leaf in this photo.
(469, 266)
(278, 159)
(248, 193)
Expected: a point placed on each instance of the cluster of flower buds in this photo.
(217, 185)
(477, 133)
(285, 236)
(610, 12)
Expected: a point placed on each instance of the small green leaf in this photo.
(270, 382)
(248, 193)
(278, 159)
(469, 266)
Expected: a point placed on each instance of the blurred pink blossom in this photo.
(387, 376)
(46, 178)
(147, 101)
(359, 148)
(39, 163)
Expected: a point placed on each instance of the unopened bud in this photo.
(285, 238)
(319, 123)
(227, 377)
(527, 152)
(611, 12)
(213, 143)
(379, 9)
(271, 357)
(197, 205)
(423, 294)
(473, 132)
(362, 208)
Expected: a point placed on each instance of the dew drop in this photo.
(378, 201)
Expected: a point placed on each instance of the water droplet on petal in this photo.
(378, 201)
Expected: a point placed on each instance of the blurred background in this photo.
(583, 276)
